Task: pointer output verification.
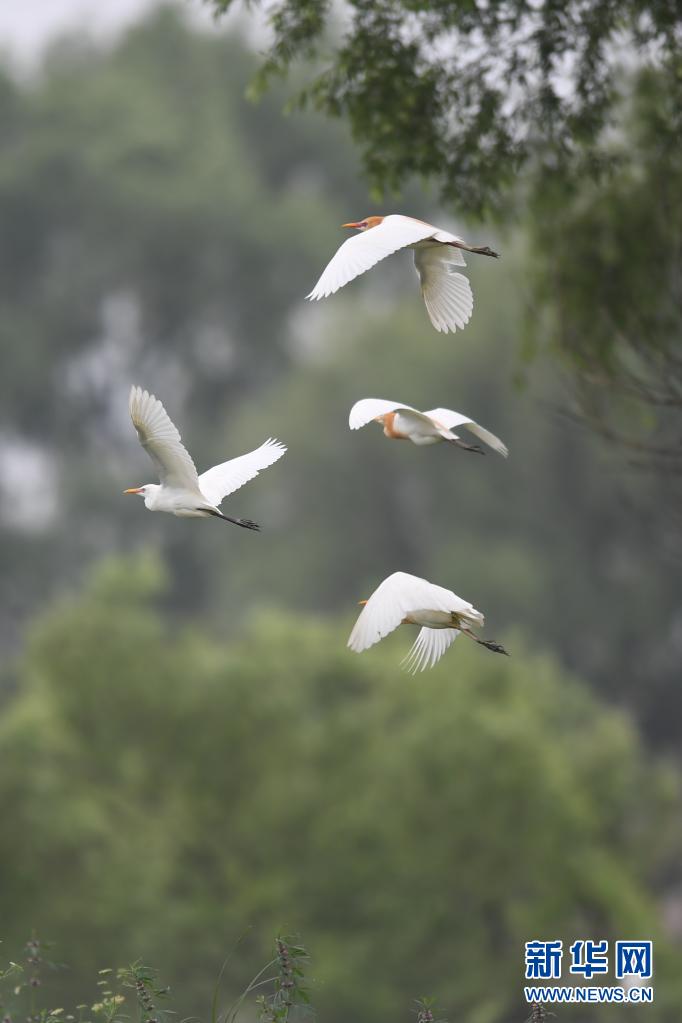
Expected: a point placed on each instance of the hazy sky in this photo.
(26, 25)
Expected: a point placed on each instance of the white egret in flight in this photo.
(402, 422)
(182, 491)
(404, 599)
(437, 254)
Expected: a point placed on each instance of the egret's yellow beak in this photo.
(362, 602)
(354, 223)
(133, 490)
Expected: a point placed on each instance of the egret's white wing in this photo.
(489, 438)
(450, 420)
(446, 293)
(367, 409)
(447, 418)
(392, 601)
(365, 249)
(160, 438)
(221, 480)
(428, 648)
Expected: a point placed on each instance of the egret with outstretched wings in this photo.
(404, 599)
(402, 422)
(182, 491)
(437, 254)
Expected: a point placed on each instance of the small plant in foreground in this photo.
(283, 975)
(425, 1011)
(107, 1008)
(288, 988)
(538, 1013)
(280, 985)
(19, 984)
(142, 980)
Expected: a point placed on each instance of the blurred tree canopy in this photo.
(525, 109)
(178, 789)
(607, 264)
(467, 93)
(138, 194)
(146, 210)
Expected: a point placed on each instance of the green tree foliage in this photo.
(607, 258)
(178, 789)
(135, 185)
(466, 93)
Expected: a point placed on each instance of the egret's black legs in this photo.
(489, 644)
(480, 250)
(484, 250)
(497, 648)
(245, 523)
(467, 447)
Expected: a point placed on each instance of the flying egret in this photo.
(182, 491)
(446, 293)
(404, 599)
(402, 422)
